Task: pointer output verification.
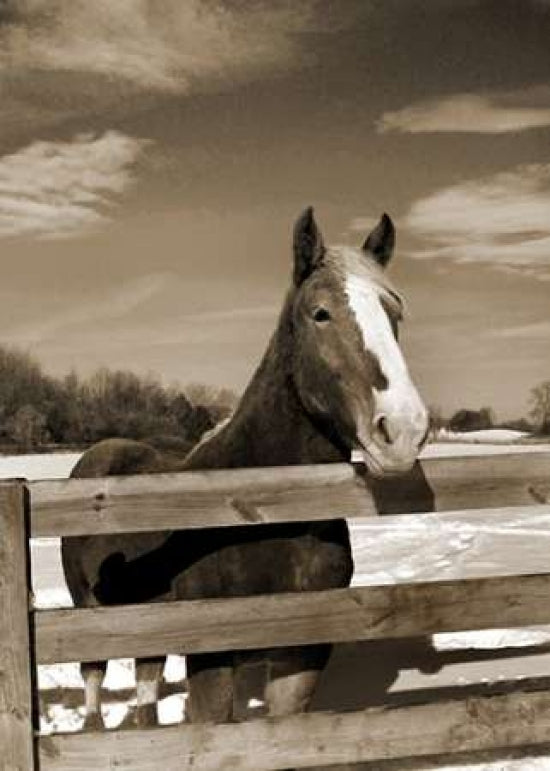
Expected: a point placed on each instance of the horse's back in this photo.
(92, 561)
(117, 457)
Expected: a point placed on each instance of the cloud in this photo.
(363, 224)
(502, 220)
(473, 113)
(537, 330)
(166, 50)
(253, 313)
(95, 314)
(116, 304)
(203, 327)
(62, 189)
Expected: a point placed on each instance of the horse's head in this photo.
(348, 368)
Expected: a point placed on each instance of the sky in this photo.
(155, 155)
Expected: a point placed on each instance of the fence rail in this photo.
(375, 735)
(288, 493)
(361, 613)
(494, 484)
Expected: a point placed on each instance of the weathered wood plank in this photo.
(291, 493)
(531, 757)
(341, 615)
(302, 741)
(16, 737)
(469, 482)
(196, 499)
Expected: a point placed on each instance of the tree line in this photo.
(37, 409)
(536, 422)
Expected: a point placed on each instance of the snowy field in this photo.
(415, 548)
(486, 436)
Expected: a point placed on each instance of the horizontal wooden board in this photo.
(288, 493)
(197, 499)
(341, 615)
(302, 741)
(468, 482)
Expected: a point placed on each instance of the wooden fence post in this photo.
(16, 729)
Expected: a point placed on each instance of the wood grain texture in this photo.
(302, 741)
(16, 736)
(340, 615)
(291, 493)
(196, 499)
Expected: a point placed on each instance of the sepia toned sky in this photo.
(154, 156)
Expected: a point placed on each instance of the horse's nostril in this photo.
(382, 428)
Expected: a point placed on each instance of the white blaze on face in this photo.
(400, 398)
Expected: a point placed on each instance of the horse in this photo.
(333, 381)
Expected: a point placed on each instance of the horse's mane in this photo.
(210, 434)
(356, 268)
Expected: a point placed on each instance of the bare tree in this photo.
(437, 421)
(540, 410)
(220, 402)
(472, 420)
(28, 427)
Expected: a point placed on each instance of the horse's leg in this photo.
(210, 680)
(292, 677)
(148, 675)
(249, 673)
(93, 674)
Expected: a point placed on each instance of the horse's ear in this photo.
(381, 242)
(308, 246)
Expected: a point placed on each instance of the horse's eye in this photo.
(321, 314)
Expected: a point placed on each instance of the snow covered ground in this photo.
(420, 547)
(486, 436)
(53, 465)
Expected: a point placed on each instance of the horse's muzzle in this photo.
(393, 445)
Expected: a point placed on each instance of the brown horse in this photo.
(333, 380)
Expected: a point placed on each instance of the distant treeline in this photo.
(466, 419)
(37, 409)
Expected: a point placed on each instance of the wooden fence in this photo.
(509, 722)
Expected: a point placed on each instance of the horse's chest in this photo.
(278, 562)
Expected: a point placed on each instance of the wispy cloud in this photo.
(502, 220)
(203, 327)
(116, 304)
(167, 49)
(252, 313)
(363, 224)
(473, 113)
(537, 330)
(62, 189)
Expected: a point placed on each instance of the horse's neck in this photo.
(270, 426)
